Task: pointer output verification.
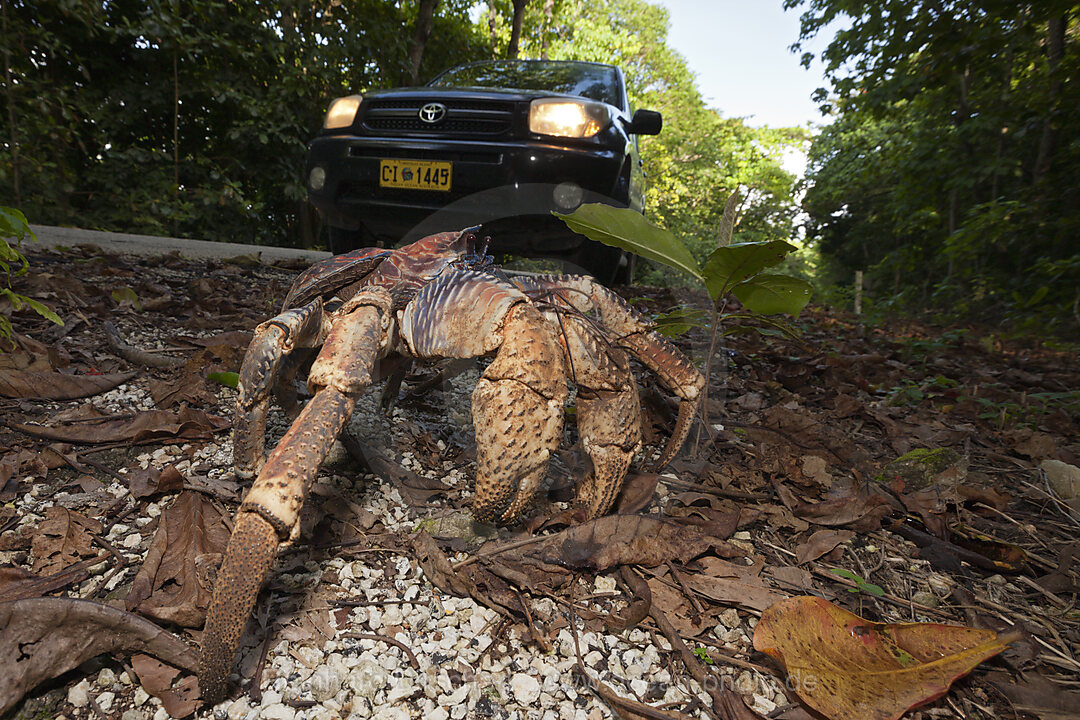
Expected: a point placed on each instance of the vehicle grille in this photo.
(463, 117)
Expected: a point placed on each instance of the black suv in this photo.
(499, 143)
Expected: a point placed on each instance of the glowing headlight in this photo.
(342, 112)
(567, 118)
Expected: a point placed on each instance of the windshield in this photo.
(588, 80)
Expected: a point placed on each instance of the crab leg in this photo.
(270, 512)
(273, 341)
(608, 410)
(629, 330)
(517, 406)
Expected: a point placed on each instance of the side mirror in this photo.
(645, 122)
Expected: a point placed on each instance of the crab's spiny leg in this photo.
(270, 512)
(628, 329)
(608, 412)
(273, 341)
(517, 406)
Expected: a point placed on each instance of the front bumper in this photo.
(510, 186)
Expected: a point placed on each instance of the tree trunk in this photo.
(492, 22)
(1055, 51)
(9, 87)
(515, 32)
(176, 138)
(549, 11)
(425, 17)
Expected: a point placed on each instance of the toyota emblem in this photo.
(432, 113)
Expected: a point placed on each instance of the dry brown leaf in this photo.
(43, 638)
(732, 584)
(625, 540)
(673, 603)
(151, 481)
(147, 426)
(172, 584)
(851, 669)
(157, 678)
(187, 389)
(821, 543)
(637, 492)
(57, 386)
(1034, 694)
(62, 539)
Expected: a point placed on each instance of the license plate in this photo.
(415, 174)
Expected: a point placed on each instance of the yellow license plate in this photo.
(415, 174)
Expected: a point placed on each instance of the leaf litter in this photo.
(800, 482)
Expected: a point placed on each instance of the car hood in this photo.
(476, 93)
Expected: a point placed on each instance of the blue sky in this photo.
(738, 50)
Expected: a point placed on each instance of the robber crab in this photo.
(437, 298)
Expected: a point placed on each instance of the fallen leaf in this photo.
(43, 638)
(187, 389)
(821, 543)
(732, 584)
(636, 494)
(171, 585)
(152, 481)
(1034, 694)
(16, 583)
(1063, 478)
(674, 604)
(850, 669)
(57, 386)
(92, 427)
(62, 539)
(625, 540)
(157, 678)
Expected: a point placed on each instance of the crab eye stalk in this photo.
(560, 117)
(342, 112)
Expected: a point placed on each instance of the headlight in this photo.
(567, 118)
(342, 112)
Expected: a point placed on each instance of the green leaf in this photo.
(770, 294)
(228, 379)
(42, 310)
(126, 294)
(730, 265)
(629, 230)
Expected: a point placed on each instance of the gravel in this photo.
(464, 668)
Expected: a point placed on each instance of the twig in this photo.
(255, 691)
(112, 550)
(610, 696)
(723, 699)
(136, 356)
(501, 549)
(722, 492)
(389, 641)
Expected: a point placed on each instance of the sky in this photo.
(738, 50)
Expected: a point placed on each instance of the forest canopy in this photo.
(950, 167)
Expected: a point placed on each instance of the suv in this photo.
(500, 143)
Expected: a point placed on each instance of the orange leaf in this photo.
(846, 667)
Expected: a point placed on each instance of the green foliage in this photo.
(228, 379)
(13, 227)
(193, 119)
(861, 585)
(731, 268)
(948, 171)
